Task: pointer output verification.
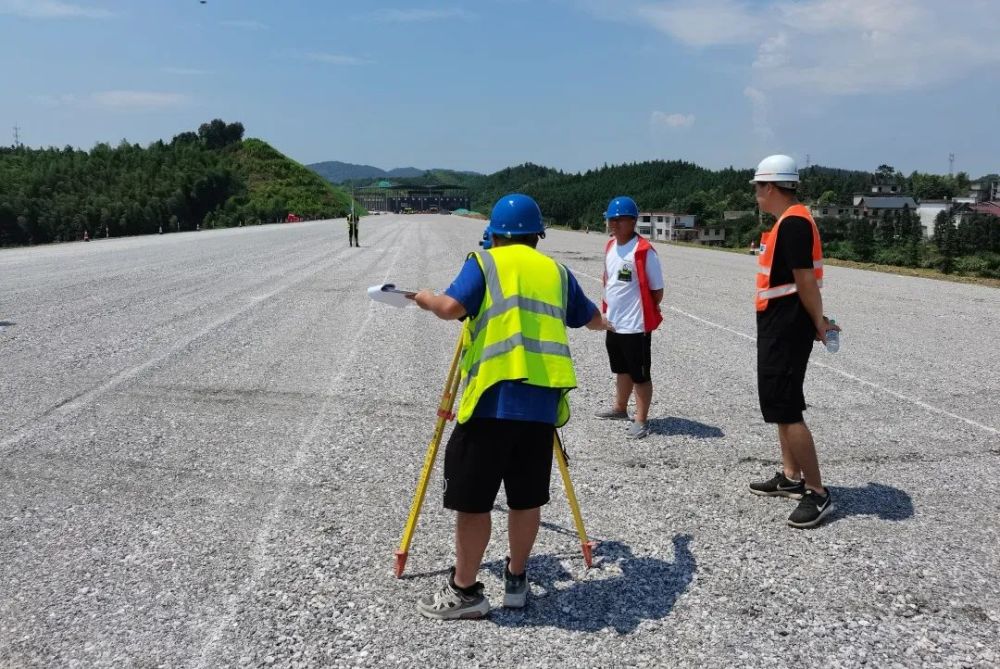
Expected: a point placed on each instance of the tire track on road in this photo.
(260, 560)
(75, 403)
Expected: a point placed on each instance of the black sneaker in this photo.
(812, 509)
(515, 588)
(779, 485)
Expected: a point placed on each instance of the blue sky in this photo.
(572, 84)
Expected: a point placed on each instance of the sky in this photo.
(570, 84)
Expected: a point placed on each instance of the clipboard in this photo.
(387, 293)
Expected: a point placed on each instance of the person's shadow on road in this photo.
(672, 425)
(619, 592)
(874, 499)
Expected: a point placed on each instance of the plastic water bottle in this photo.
(832, 339)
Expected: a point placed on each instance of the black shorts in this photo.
(485, 451)
(630, 354)
(781, 373)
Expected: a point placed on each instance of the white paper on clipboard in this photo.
(387, 293)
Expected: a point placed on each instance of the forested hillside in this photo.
(966, 243)
(209, 178)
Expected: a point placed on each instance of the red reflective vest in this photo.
(651, 316)
(768, 240)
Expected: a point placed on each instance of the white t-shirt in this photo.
(622, 290)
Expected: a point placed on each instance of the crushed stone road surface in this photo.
(209, 443)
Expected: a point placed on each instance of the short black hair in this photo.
(530, 239)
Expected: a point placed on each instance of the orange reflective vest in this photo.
(768, 240)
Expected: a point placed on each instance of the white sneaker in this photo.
(450, 603)
(637, 430)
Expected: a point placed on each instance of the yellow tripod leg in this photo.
(444, 415)
(586, 544)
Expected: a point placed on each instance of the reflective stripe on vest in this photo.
(765, 261)
(509, 344)
(519, 333)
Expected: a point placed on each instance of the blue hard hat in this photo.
(622, 205)
(514, 215)
(487, 241)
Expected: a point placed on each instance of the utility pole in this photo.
(17, 136)
(951, 164)
(808, 163)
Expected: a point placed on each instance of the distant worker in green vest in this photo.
(352, 229)
(517, 371)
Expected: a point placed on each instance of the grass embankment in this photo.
(275, 182)
(873, 267)
(869, 266)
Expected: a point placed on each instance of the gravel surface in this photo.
(209, 443)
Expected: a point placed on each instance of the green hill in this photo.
(579, 199)
(337, 172)
(340, 173)
(278, 185)
(970, 245)
(209, 178)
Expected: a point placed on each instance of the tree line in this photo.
(966, 243)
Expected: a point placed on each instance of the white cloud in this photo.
(51, 9)
(245, 24)
(335, 59)
(419, 15)
(836, 47)
(663, 119)
(773, 52)
(137, 100)
(119, 100)
(704, 22)
(759, 106)
(825, 16)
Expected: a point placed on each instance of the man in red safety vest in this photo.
(633, 288)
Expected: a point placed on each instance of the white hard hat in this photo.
(779, 169)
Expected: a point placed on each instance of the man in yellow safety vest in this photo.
(517, 304)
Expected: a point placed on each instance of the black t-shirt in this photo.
(785, 316)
